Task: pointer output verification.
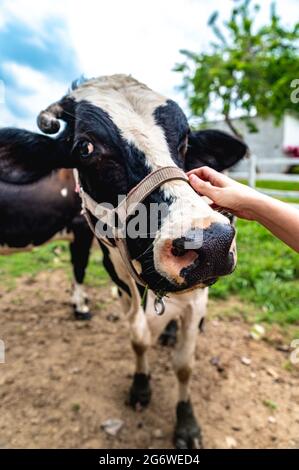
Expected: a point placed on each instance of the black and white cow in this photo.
(118, 131)
(39, 204)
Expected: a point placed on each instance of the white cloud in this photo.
(42, 90)
(31, 12)
(115, 36)
(138, 38)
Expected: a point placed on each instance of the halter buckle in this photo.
(159, 305)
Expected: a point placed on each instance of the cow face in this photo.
(120, 131)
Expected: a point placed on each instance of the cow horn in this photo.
(48, 120)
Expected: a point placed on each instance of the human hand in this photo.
(226, 193)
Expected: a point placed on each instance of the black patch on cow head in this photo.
(115, 165)
(189, 150)
(175, 126)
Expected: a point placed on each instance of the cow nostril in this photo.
(178, 247)
(192, 241)
(177, 252)
(213, 241)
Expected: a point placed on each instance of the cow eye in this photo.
(85, 148)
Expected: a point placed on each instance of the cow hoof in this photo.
(187, 434)
(169, 335)
(140, 391)
(82, 316)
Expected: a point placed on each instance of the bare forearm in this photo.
(278, 217)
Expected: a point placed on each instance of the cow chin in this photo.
(164, 285)
(194, 261)
(179, 278)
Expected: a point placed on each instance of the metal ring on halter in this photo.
(159, 305)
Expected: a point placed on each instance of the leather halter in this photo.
(126, 208)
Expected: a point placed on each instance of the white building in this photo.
(269, 142)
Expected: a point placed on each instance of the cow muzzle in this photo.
(199, 257)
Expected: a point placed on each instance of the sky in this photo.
(45, 45)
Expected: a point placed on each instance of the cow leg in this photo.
(80, 249)
(140, 391)
(169, 335)
(187, 434)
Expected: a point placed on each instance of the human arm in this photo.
(277, 216)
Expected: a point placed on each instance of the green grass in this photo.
(49, 257)
(280, 185)
(270, 404)
(267, 275)
(30, 263)
(283, 185)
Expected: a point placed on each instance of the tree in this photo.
(248, 68)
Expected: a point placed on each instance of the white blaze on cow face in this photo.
(131, 106)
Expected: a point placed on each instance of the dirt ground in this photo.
(62, 379)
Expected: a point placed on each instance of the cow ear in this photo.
(26, 156)
(214, 148)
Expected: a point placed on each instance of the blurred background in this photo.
(232, 65)
(45, 45)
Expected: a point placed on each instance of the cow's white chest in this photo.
(177, 305)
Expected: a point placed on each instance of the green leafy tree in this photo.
(247, 68)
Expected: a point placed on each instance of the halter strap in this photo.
(126, 208)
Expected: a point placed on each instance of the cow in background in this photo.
(36, 206)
